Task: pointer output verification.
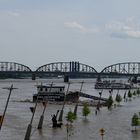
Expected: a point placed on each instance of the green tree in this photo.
(86, 110)
(70, 117)
(135, 121)
(124, 96)
(110, 102)
(118, 98)
(134, 94)
(138, 92)
(139, 117)
(129, 95)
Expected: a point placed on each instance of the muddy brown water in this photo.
(116, 122)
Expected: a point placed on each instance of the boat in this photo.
(112, 85)
(49, 93)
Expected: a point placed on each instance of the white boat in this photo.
(49, 93)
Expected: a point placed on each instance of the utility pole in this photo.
(42, 116)
(76, 106)
(10, 91)
(62, 110)
(29, 128)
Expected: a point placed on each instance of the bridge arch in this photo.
(66, 67)
(123, 68)
(13, 66)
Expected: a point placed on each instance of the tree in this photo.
(138, 92)
(118, 98)
(135, 121)
(109, 102)
(70, 117)
(124, 96)
(134, 93)
(86, 110)
(129, 95)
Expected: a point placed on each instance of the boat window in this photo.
(46, 89)
(61, 89)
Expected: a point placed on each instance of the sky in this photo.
(98, 33)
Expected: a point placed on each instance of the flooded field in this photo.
(116, 122)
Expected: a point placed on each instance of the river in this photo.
(116, 122)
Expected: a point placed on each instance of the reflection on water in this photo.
(116, 122)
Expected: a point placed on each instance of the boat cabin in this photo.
(50, 89)
(49, 93)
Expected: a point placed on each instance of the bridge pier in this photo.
(66, 78)
(99, 78)
(33, 76)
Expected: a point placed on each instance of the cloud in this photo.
(125, 29)
(79, 27)
(14, 14)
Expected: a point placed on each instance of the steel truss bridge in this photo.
(71, 69)
(122, 69)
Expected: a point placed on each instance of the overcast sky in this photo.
(94, 32)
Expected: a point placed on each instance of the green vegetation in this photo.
(134, 93)
(138, 92)
(135, 121)
(124, 96)
(110, 102)
(70, 117)
(129, 95)
(118, 98)
(86, 110)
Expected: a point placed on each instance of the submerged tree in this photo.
(138, 92)
(109, 102)
(118, 98)
(134, 93)
(129, 95)
(135, 121)
(124, 97)
(86, 110)
(70, 117)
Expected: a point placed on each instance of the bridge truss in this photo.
(132, 68)
(12, 66)
(72, 69)
(66, 67)
(14, 70)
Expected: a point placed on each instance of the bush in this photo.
(138, 91)
(86, 110)
(135, 121)
(118, 98)
(129, 94)
(109, 102)
(70, 117)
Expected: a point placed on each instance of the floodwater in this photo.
(116, 122)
